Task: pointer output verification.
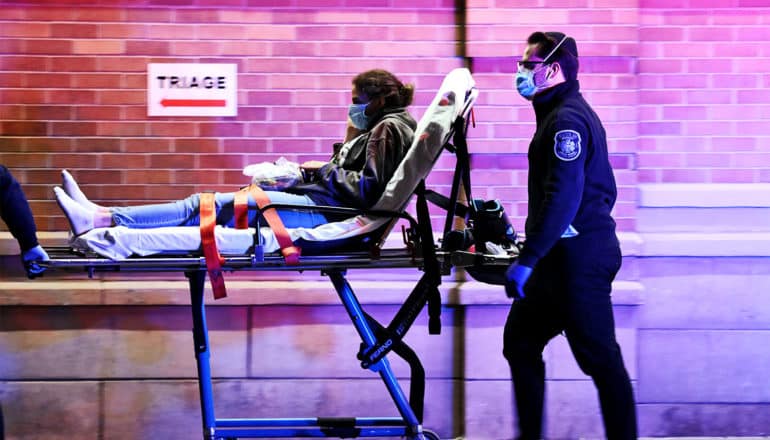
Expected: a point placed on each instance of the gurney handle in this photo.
(465, 259)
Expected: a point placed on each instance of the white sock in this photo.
(81, 219)
(73, 190)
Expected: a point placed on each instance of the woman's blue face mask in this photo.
(357, 113)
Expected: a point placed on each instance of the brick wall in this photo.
(681, 88)
(703, 98)
(73, 83)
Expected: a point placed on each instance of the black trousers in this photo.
(569, 292)
(15, 212)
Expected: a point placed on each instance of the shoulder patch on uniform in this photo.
(567, 145)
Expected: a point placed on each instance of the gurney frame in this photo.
(377, 340)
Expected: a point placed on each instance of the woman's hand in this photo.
(312, 165)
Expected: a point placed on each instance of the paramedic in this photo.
(379, 134)
(562, 280)
(15, 212)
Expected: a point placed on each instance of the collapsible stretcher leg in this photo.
(197, 281)
(365, 331)
(408, 425)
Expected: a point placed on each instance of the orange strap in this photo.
(214, 261)
(288, 250)
(241, 209)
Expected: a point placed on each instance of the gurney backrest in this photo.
(453, 100)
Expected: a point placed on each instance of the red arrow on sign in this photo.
(193, 102)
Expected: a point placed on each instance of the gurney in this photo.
(356, 242)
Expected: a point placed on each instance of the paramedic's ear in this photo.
(553, 70)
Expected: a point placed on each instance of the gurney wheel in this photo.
(430, 435)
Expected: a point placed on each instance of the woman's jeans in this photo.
(186, 212)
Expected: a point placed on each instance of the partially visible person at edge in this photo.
(562, 280)
(15, 212)
(379, 133)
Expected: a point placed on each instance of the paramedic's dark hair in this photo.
(377, 82)
(566, 55)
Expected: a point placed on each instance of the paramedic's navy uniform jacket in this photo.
(570, 179)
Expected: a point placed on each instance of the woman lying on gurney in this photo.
(354, 177)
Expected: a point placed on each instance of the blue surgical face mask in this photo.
(525, 83)
(357, 113)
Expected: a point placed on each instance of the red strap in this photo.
(288, 250)
(242, 209)
(214, 261)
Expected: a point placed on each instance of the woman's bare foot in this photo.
(73, 190)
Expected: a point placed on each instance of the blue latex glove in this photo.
(515, 278)
(31, 258)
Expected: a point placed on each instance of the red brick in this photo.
(150, 15)
(100, 14)
(121, 64)
(222, 161)
(145, 47)
(115, 97)
(124, 161)
(11, 80)
(134, 112)
(245, 16)
(221, 129)
(179, 129)
(53, 47)
(49, 13)
(244, 48)
(99, 47)
(47, 80)
(22, 63)
(98, 145)
(25, 160)
(200, 15)
(196, 145)
(49, 144)
(96, 80)
(147, 177)
(147, 145)
(123, 31)
(311, 48)
(74, 30)
(12, 144)
(19, 128)
(26, 29)
(73, 129)
(73, 64)
(70, 96)
(188, 48)
(122, 129)
(175, 161)
(197, 177)
(219, 32)
(245, 146)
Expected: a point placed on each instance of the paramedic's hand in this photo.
(515, 278)
(312, 165)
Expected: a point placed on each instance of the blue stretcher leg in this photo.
(202, 355)
(356, 313)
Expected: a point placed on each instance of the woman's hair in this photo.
(377, 82)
